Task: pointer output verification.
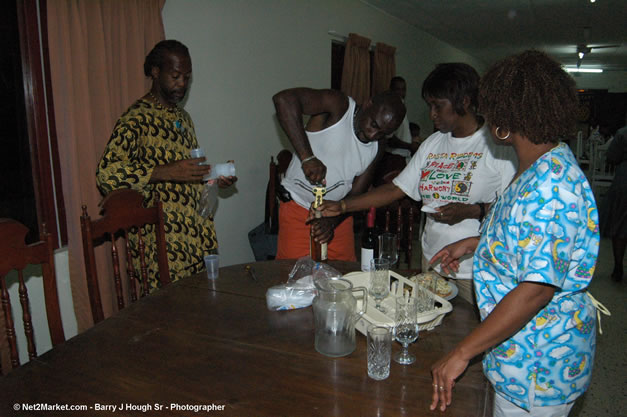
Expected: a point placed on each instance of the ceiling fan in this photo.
(584, 49)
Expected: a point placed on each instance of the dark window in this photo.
(600, 108)
(29, 163)
(337, 63)
(16, 180)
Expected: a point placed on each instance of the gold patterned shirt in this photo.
(145, 136)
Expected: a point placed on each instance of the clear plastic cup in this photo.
(197, 153)
(212, 263)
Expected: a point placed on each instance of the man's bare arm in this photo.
(326, 106)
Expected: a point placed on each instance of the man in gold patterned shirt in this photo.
(149, 151)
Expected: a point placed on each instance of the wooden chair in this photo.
(123, 213)
(276, 174)
(16, 255)
(263, 238)
(400, 217)
(601, 173)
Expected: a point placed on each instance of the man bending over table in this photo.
(338, 149)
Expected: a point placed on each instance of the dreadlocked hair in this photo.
(156, 57)
(530, 94)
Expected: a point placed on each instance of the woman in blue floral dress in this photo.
(536, 254)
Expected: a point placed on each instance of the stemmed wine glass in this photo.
(379, 281)
(406, 327)
(388, 247)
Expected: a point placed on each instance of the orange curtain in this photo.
(97, 50)
(356, 70)
(384, 67)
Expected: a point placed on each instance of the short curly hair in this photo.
(530, 94)
(453, 81)
(156, 57)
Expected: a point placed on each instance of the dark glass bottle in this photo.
(368, 241)
(318, 251)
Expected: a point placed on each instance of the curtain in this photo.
(384, 67)
(97, 50)
(356, 70)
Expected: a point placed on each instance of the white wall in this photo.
(244, 51)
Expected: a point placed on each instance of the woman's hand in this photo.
(328, 208)
(450, 254)
(454, 213)
(444, 372)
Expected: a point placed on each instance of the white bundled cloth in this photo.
(299, 290)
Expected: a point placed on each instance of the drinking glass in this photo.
(406, 327)
(379, 281)
(388, 247)
(379, 351)
(426, 300)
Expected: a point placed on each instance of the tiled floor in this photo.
(607, 395)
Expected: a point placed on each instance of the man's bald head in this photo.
(392, 106)
(379, 117)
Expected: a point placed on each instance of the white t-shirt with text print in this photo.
(465, 170)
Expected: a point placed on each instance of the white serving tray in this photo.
(426, 321)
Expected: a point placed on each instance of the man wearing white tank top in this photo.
(337, 148)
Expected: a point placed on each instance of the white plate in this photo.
(429, 209)
(451, 282)
(454, 291)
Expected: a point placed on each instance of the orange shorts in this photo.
(293, 240)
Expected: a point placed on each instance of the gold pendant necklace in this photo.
(169, 112)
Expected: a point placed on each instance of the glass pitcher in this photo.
(335, 315)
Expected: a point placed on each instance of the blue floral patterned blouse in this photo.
(544, 228)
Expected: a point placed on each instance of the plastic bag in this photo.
(208, 199)
(299, 290)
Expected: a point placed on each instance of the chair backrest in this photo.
(16, 255)
(276, 173)
(399, 219)
(123, 214)
(579, 147)
(601, 173)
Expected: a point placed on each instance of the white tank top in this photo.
(344, 155)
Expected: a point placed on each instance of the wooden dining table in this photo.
(201, 347)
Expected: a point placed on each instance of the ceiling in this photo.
(492, 29)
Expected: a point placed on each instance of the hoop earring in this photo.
(498, 136)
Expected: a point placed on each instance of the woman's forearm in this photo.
(378, 197)
(510, 315)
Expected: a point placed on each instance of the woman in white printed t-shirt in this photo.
(456, 173)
